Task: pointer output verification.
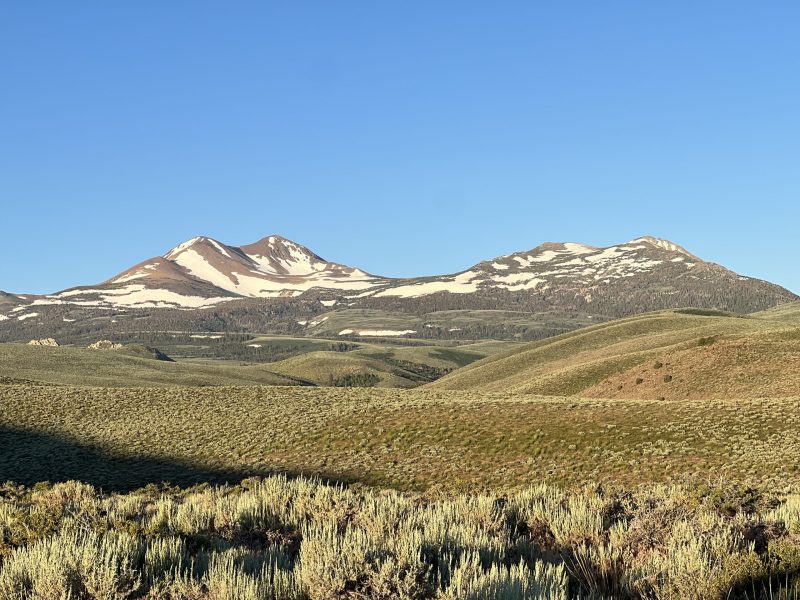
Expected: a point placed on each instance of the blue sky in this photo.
(405, 138)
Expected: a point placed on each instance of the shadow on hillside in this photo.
(27, 457)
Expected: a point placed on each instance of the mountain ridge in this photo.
(567, 278)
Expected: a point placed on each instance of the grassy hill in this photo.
(376, 365)
(784, 312)
(663, 355)
(362, 364)
(124, 367)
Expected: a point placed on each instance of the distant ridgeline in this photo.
(277, 286)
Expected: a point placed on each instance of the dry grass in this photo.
(405, 439)
(79, 366)
(595, 361)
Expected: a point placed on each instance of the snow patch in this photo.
(219, 247)
(181, 247)
(138, 274)
(377, 332)
(463, 283)
(27, 316)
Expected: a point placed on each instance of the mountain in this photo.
(203, 272)
(563, 285)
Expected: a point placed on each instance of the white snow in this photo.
(302, 322)
(181, 247)
(3, 318)
(462, 283)
(527, 285)
(328, 302)
(573, 248)
(204, 336)
(361, 295)
(138, 274)
(500, 266)
(66, 320)
(659, 243)
(545, 256)
(261, 286)
(219, 247)
(27, 316)
(138, 296)
(199, 267)
(254, 345)
(300, 262)
(377, 332)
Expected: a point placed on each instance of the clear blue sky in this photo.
(405, 138)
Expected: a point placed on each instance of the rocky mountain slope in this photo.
(294, 285)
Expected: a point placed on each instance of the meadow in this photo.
(403, 439)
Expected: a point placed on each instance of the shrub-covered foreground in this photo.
(297, 538)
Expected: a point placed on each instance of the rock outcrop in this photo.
(104, 345)
(43, 342)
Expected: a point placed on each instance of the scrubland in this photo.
(281, 538)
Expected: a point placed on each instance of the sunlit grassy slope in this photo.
(391, 365)
(394, 366)
(784, 312)
(81, 366)
(670, 354)
(405, 439)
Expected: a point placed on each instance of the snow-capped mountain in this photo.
(203, 272)
(644, 274)
(559, 266)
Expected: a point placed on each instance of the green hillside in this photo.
(121, 368)
(669, 354)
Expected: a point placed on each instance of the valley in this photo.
(466, 441)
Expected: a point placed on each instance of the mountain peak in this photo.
(199, 240)
(661, 243)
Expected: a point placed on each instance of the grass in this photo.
(607, 360)
(404, 439)
(784, 312)
(65, 365)
(315, 364)
(485, 491)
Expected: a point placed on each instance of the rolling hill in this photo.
(309, 362)
(683, 354)
(127, 367)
